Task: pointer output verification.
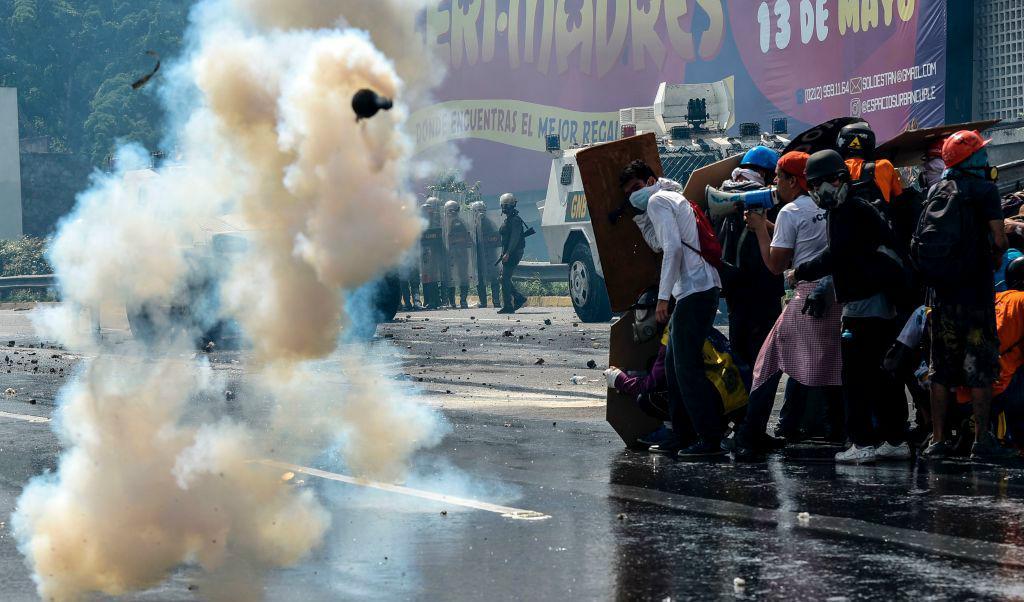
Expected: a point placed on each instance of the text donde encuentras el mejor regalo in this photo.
(542, 32)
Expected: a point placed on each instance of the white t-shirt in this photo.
(683, 271)
(801, 226)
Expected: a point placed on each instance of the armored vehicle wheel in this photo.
(586, 288)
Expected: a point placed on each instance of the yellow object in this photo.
(725, 376)
(721, 370)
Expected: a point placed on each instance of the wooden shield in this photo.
(709, 175)
(622, 412)
(907, 149)
(630, 266)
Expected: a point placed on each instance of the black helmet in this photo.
(824, 165)
(1015, 275)
(856, 140)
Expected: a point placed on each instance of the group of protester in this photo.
(894, 292)
(449, 247)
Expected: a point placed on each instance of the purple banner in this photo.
(570, 65)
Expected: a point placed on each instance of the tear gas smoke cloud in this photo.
(152, 477)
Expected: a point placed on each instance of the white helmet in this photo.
(508, 200)
(479, 207)
(451, 207)
(433, 202)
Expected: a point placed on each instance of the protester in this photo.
(906, 362)
(931, 171)
(1008, 390)
(857, 146)
(752, 292)
(650, 389)
(687, 276)
(959, 243)
(863, 265)
(878, 183)
(804, 342)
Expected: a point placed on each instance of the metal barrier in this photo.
(18, 282)
(527, 270)
(545, 272)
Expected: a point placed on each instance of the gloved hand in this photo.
(894, 358)
(820, 300)
(610, 375)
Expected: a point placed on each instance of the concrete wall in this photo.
(10, 166)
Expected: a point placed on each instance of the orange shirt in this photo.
(1010, 328)
(886, 176)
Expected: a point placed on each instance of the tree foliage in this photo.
(73, 62)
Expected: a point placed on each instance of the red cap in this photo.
(794, 163)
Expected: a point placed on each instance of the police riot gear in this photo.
(488, 250)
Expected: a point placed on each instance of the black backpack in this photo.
(867, 185)
(943, 248)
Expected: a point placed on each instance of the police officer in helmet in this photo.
(488, 244)
(513, 243)
(459, 244)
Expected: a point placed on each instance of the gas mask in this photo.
(642, 197)
(827, 195)
(645, 321)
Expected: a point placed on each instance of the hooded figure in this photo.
(753, 294)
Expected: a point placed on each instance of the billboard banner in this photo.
(518, 69)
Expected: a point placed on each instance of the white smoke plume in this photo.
(152, 476)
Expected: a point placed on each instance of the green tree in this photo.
(74, 62)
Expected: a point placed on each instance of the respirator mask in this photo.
(827, 195)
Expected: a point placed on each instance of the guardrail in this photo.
(1011, 176)
(18, 282)
(545, 272)
(528, 270)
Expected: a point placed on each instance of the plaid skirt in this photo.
(805, 348)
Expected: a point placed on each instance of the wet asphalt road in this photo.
(622, 524)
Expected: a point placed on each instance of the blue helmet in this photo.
(760, 157)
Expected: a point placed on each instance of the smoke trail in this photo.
(155, 472)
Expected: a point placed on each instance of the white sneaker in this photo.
(856, 455)
(893, 452)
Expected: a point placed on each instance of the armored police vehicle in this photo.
(691, 122)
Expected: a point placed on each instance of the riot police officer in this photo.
(459, 244)
(488, 241)
(409, 281)
(513, 243)
(432, 256)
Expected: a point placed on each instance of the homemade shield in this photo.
(710, 175)
(907, 149)
(622, 412)
(630, 266)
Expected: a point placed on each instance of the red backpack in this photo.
(710, 249)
